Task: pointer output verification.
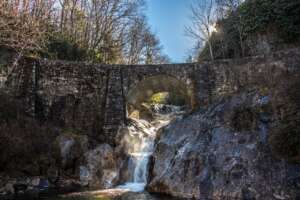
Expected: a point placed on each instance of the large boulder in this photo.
(72, 148)
(101, 168)
(222, 152)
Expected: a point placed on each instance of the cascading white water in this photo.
(139, 142)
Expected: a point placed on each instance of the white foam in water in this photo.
(141, 149)
(140, 144)
(133, 187)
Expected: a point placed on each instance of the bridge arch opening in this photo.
(161, 91)
(151, 104)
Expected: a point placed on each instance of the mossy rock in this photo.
(73, 133)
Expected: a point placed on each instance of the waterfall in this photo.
(139, 144)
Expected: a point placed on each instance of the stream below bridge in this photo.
(139, 143)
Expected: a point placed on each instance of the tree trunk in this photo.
(210, 50)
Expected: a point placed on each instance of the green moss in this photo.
(264, 91)
(159, 98)
(62, 47)
(167, 98)
(3, 67)
(72, 132)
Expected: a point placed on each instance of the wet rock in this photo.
(43, 184)
(24, 185)
(20, 188)
(53, 174)
(35, 181)
(72, 148)
(9, 189)
(84, 176)
(67, 184)
(211, 155)
(65, 144)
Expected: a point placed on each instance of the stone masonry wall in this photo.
(91, 98)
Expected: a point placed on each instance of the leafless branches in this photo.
(110, 29)
(21, 24)
(203, 18)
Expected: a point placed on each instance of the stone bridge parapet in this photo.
(92, 97)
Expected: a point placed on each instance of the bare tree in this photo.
(135, 41)
(142, 45)
(226, 7)
(109, 30)
(153, 50)
(203, 22)
(22, 25)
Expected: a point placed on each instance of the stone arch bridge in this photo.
(92, 98)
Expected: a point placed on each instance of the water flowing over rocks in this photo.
(136, 141)
(59, 127)
(207, 156)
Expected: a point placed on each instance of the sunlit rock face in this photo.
(208, 156)
(101, 167)
(136, 143)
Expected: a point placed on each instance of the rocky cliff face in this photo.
(58, 122)
(223, 152)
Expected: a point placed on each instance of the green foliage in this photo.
(72, 133)
(159, 98)
(278, 19)
(255, 15)
(167, 98)
(258, 15)
(288, 19)
(62, 47)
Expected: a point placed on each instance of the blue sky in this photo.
(168, 19)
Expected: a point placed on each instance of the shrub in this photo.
(26, 147)
(61, 47)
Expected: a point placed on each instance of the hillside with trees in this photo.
(239, 28)
(102, 31)
(89, 110)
